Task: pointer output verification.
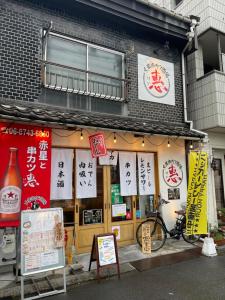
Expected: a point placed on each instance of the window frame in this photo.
(87, 71)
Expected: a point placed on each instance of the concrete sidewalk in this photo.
(10, 288)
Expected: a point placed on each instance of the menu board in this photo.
(42, 240)
(106, 250)
(92, 216)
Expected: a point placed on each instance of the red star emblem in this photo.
(10, 195)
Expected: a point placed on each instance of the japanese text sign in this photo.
(155, 80)
(172, 172)
(196, 210)
(97, 145)
(128, 181)
(33, 146)
(62, 169)
(85, 175)
(110, 159)
(146, 176)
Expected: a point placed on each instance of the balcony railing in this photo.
(74, 80)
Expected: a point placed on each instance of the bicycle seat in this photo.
(151, 214)
(180, 212)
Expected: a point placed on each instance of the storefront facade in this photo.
(124, 214)
(118, 73)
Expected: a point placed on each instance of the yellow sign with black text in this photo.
(196, 211)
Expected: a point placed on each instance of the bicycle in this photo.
(159, 230)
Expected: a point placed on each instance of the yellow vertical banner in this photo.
(196, 211)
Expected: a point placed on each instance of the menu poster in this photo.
(119, 210)
(41, 249)
(106, 250)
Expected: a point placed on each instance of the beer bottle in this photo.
(10, 189)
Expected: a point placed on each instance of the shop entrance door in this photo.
(107, 212)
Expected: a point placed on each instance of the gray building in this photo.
(80, 67)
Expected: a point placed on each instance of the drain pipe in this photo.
(190, 37)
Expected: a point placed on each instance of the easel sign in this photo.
(104, 252)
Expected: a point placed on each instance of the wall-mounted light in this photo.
(114, 138)
(81, 135)
(191, 145)
(143, 142)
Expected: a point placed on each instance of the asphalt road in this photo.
(201, 278)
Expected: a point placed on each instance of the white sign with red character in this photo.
(172, 172)
(155, 80)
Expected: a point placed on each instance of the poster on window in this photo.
(85, 175)
(110, 159)
(128, 180)
(24, 170)
(155, 80)
(146, 177)
(61, 174)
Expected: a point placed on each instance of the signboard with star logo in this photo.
(155, 80)
(24, 170)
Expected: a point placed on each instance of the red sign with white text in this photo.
(25, 170)
(97, 144)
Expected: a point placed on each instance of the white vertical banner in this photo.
(85, 175)
(128, 181)
(61, 174)
(110, 159)
(146, 178)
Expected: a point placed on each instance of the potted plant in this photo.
(218, 236)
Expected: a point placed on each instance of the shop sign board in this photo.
(128, 180)
(146, 173)
(62, 172)
(85, 175)
(42, 240)
(196, 210)
(97, 145)
(110, 159)
(156, 80)
(146, 238)
(25, 170)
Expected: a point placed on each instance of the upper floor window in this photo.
(83, 68)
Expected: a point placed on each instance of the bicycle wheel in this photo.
(158, 234)
(193, 238)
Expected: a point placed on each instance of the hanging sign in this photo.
(104, 252)
(196, 210)
(61, 174)
(156, 80)
(24, 170)
(172, 172)
(110, 159)
(128, 181)
(85, 175)
(146, 176)
(97, 145)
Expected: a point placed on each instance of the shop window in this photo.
(79, 67)
(121, 206)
